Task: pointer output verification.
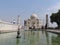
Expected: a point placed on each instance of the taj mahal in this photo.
(33, 22)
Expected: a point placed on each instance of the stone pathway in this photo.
(54, 31)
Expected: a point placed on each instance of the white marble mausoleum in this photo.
(33, 22)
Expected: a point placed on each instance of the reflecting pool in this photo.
(30, 38)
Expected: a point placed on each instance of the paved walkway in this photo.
(54, 31)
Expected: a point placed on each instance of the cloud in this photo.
(54, 8)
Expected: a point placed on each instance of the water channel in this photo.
(30, 38)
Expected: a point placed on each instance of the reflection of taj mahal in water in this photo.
(33, 22)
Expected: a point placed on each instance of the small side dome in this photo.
(34, 15)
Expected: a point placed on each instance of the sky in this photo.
(10, 9)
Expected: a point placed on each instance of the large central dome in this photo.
(34, 15)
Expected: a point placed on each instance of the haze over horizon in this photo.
(9, 9)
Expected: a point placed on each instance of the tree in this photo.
(55, 17)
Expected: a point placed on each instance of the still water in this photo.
(30, 38)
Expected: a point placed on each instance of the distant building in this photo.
(7, 26)
(14, 22)
(33, 22)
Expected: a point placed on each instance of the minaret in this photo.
(18, 20)
(46, 26)
(18, 23)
